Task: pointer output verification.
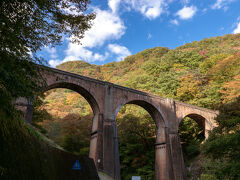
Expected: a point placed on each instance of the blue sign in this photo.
(136, 177)
(77, 165)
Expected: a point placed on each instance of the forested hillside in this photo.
(204, 73)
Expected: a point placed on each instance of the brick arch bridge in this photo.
(106, 99)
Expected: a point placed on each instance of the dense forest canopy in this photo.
(204, 73)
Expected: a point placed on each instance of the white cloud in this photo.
(106, 26)
(149, 8)
(221, 4)
(237, 29)
(77, 52)
(120, 51)
(72, 8)
(174, 21)
(51, 51)
(149, 36)
(54, 62)
(114, 5)
(187, 12)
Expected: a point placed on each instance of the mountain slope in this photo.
(207, 65)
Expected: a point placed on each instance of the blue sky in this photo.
(125, 27)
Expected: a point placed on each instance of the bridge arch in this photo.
(77, 88)
(199, 119)
(161, 144)
(150, 108)
(89, 97)
(204, 120)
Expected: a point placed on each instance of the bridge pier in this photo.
(111, 164)
(176, 167)
(163, 168)
(177, 157)
(96, 144)
(108, 147)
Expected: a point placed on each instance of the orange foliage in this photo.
(227, 67)
(203, 53)
(189, 88)
(71, 98)
(231, 89)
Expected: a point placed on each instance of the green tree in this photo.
(189, 88)
(191, 135)
(76, 132)
(25, 27)
(136, 131)
(211, 61)
(223, 145)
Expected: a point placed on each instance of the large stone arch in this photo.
(163, 167)
(156, 115)
(93, 103)
(206, 118)
(199, 119)
(86, 88)
(77, 88)
(82, 86)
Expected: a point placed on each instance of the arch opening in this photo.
(80, 90)
(137, 123)
(153, 112)
(192, 134)
(65, 114)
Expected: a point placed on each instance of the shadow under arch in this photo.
(152, 110)
(80, 90)
(199, 119)
(161, 153)
(192, 133)
(94, 106)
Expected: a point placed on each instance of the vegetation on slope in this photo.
(25, 155)
(58, 117)
(204, 73)
(223, 146)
